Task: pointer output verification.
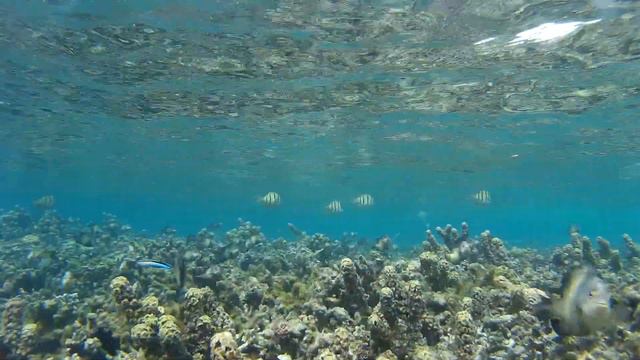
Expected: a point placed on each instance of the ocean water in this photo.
(122, 121)
(181, 114)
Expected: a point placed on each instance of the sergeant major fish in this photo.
(482, 197)
(45, 202)
(364, 200)
(334, 207)
(271, 199)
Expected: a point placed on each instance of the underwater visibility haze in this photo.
(276, 179)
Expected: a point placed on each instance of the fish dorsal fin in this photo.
(566, 279)
(573, 274)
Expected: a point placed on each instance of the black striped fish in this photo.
(482, 197)
(271, 199)
(334, 207)
(364, 200)
(45, 202)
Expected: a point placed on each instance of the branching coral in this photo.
(312, 298)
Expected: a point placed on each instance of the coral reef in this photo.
(312, 297)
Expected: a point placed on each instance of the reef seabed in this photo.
(71, 290)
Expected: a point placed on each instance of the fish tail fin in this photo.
(180, 293)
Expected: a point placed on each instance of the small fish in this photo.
(482, 197)
(45, 202)
(294, 229)
(585, 306)
(630, 172)
(423, 215)
(214, 226)
(334, 207)
(574, 229)
(67, 280)
(168, 230)
(364, 200)
(154, 264)
(383, 243)
(271, 199)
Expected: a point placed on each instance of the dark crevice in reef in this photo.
(110, 343)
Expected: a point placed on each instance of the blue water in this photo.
(72, 127)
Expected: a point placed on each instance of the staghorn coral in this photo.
(605, 250)
(450, 236)
(587, 251)
(615, 262)
(430, 243)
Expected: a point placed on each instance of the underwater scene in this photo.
(326, 179)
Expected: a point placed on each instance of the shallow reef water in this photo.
(314, 179)
(70, 291)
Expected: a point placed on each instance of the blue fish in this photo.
(154, 264)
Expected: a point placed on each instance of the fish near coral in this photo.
(180, 271)
(383, 243)
(585, 306)
(45, 202)
(153, 264)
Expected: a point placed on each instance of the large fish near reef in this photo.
(45, 202)
(585, 306)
